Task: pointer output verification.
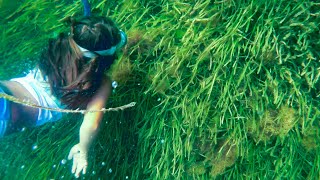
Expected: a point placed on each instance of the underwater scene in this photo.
(198, 89)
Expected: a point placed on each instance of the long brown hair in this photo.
(74, 78)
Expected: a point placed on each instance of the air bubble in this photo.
(114, 84)
(63, 161)
(34, 147)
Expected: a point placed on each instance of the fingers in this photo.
(73, 151)
(84, 169)
(74, 165)
(81, 166)
(70, 156)
(77, 174)
(79, 161)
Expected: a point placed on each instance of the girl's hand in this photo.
(80, 160)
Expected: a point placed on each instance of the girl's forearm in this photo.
(89, 130)
(91, 121)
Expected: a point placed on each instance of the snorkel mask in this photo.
(107, 52)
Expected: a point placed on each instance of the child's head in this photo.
(95, 33)
(75, 63)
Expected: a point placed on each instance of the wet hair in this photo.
(74, 78)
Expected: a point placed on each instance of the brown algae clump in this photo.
(265, 128)
(224, 157)
(197, 169)
(217, 159)
(123, 71)
(286, 120)
(310, 139)
(274, 123)
(139, 45)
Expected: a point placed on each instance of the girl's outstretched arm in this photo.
(89, 129)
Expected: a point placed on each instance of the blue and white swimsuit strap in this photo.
(4, 114)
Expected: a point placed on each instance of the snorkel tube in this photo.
(87, 8)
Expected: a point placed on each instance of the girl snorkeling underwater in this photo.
(70, 74)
